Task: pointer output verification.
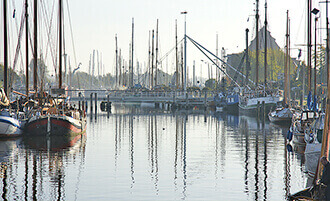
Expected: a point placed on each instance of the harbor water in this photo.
(142, 153)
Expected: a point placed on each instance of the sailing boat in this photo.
(10, 126)
(284, 114)
(250, 100)
(55, 116)
(315, 192)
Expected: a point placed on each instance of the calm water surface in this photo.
(144, 154)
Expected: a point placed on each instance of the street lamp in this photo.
(185, 50)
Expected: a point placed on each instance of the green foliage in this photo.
(211, 83)
(13, 78)
(82, 80)
(275, 68)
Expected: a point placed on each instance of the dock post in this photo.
(95, 103)
(108, 105)
(258, 109)
(263, 109)
(186, 100)
(79, 102)
(174, 100)
(91, 95)
(205, 99)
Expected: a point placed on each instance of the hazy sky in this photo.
(95, 24)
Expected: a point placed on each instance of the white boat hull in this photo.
(251, 104)
(312, 155)
(10, 127)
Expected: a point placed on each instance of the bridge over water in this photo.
(176, 98)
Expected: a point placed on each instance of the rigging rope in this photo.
(18, 50)
(199, 47)
(166, 55)
(195, 43)
(48, 23)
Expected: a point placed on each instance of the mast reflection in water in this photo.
(149, 154)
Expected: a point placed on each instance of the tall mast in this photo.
(315, 59)
(257, 42)
(120, 69)
(309, 39)
(326, 136)
(182, 68)
(149, 59)
(185, 52)
(327, 45)
(176, 55)
(5, 38)
(132, 60)
(289, 61)
(26, 48)
(152, 59)
(116, 63)
(266, 23)
(247, 55)
(286, 60)
(98, 63)
(217, 70)
(35, 45)
(60, 46)
(156, 59)
(194, 75)
(93, 67)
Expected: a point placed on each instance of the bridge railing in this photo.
(159, 94)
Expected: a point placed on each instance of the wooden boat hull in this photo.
(283, 120)
(52, 143)
(232, 108)
(55, 126)
(10, 127)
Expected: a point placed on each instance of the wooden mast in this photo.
(132, 57)
(149, 59)
(156, 56)
(176, 55)
(315, 60)
(326, 136)
(26, 48)
(116, 62)
(247, 55)
(35, 45)
(257, 42)
(60, 45)
(309, 46)
(265, 62)
(289, 61)
(327, 45)
(286, 60)
(5, 37)
(152, 59)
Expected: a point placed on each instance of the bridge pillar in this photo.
(91, 96)
(108, 105)
(95, 103)
(205, 99)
